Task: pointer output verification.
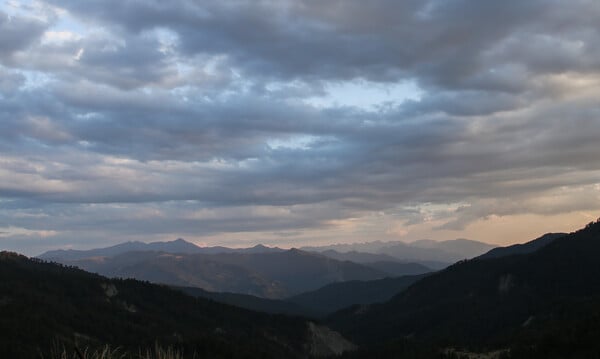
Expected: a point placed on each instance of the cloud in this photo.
(211, 118)
(18, 33)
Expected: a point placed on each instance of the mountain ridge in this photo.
(179, 245)
(46, 304)
(482, 303)
(522, 248)
(274, 275)
(421, 251)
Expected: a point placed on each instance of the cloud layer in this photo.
(142, 119)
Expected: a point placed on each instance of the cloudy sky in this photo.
(296, 122)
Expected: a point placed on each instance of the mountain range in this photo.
(523, 248)
(382, 262)
(336, 296)
(540, 299)
(44, 306)
(176, 246)
(271, 274)
(540, 303)
(266, 278)
(433, 254)
(262, 271)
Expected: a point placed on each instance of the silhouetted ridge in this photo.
(524, 248)
(273, 274)
(336, 296)
(498, 302)
(44, 303)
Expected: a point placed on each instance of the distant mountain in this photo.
(382, 262)
(397, 269)
(540, 304)
(274, 274)
(259, 248)
(272, 306)
(186, 270)
(176, 246)
(336, 296)
(433, 254)
(299, 270)
(317, 303)
(524, 248)
(365, 247)
(444, 251)
(463, 248)
(45, 306)
(357, 257)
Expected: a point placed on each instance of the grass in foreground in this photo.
(107, 352)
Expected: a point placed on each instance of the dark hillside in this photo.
(524, 248)
(336, 296)
(498, 302)
(43, 303)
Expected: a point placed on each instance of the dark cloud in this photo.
(198, 118)
(18, 33)
(441, 43)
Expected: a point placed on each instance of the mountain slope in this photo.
(270, 275)
(185, 270)
(357, 257)
(272, 306)
(463, 248)
(524, 248)
(382, 262)
(495, 302)
(397, 269)
(44, 303)
(173, 247)
(336, 296)
(446, 251)
(419, 251)
(301, 271)
(176, 246)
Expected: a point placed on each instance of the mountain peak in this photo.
(180, 240)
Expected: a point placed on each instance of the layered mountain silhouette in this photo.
(540, 299)
(336, 296)
(43, 305)
(317, 303)
(382, 262)
(272, 274)
(524, 248)
(432, 254)
(176, 246)
(428, 253)
(272, 306)
(544, 303)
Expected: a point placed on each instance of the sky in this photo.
(296, 123)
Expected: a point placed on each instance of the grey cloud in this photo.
(190, 218)
(471, 45)
(10, 82)
(465, 103)
(17, 33)
(124, 137)
(441, 43)
(411, 153)
(121, 60)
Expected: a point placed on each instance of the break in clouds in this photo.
(291, 122)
